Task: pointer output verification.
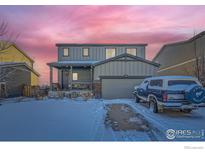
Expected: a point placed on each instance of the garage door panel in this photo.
(118, 88)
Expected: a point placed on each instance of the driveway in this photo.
(174, 120)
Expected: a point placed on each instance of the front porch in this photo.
(72, 76)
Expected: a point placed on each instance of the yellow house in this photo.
(13, 54)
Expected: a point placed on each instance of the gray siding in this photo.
(178, 59)
(96, 52)
(120, 68)
(175, 54)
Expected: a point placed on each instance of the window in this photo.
(156, 83)
(181, 82)
(75, 76)
(65, 52)
(85, 52)
(132, 51)
(110, 53)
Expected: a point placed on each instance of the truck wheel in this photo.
(137, 99)
(153, 106)
(187, 110)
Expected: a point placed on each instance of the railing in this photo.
(82, 85)
(75, 85)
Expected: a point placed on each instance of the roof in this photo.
(15, 46)
(71, 63)
(127, 55)
(95, 63)
(100, 44)
(14, 64)
(172, 77)
(179, 43)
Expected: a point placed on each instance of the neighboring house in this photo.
(182, 58)
(110, 70)
(16, 70)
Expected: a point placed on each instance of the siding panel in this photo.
(96, 53)
(120, 68)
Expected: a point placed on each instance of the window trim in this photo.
(76, 76)
(131, 48)
(106, 53)
(88, 52)
(68, 52)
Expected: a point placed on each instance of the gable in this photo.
(13, 54)
(126, 57)
(124, 68)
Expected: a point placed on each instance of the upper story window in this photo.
(132, 51)
(65, 52)
(85, 52)
(110, 53)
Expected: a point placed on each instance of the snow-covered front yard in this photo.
(78, 120)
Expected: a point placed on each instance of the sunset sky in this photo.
(41, 27)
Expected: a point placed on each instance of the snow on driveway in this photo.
(170, 119)
(77, 120)
(70, 120)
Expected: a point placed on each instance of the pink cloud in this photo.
(41, 27)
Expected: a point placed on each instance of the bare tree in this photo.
(3, 28)
(7, 37)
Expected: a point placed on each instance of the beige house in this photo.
(182, 58)
(16, 70)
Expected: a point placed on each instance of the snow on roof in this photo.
(72, 63)
(172, 77)
(77, 62)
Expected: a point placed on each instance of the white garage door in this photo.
(118, 88)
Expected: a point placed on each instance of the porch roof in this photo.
(61, 64)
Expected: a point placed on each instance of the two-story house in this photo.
(16, 70)
(109, 70)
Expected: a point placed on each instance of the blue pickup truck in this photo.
(171, 92)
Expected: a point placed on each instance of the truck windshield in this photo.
(181, 82)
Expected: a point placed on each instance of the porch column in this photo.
(91, 73)
(51, 78)
(71, 77)
(62, 87)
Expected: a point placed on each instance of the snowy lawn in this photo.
(71, 120)
(77, 120)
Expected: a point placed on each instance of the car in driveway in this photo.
(171, 92)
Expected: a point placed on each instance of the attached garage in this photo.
(118, 87)
(118, 75)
